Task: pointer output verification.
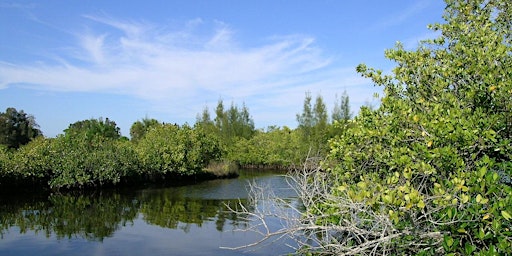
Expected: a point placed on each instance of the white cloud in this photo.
(94, 46)
(184, 67)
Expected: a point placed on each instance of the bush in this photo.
(274, 148)
(85, 162)
(170, 149)
(433, 160)
(33, 161)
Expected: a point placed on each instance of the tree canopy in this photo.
(139, 129)
(17, 128)
(429, 170)
(94, 127)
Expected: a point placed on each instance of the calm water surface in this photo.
(186, 220)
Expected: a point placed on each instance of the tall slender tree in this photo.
(306, 119)
(341, 111)
(313, 123)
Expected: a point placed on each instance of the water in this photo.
(186, 220)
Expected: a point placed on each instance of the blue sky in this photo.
(65, 61)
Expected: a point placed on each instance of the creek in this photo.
(192, 219)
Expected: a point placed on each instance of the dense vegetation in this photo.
(93, 153)
(17, 128)
(429, 171)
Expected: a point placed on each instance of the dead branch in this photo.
(362, 230)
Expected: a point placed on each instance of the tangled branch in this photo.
(356, 228)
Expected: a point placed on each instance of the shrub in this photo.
(434, 158)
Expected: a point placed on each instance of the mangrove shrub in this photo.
(435, 158)
(171, 149)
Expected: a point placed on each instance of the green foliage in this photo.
(94, 127)
(278, 147)
(91, 154)
(230, 124)
(306, 119)
(4, 160)
(204, 120)
(140, 128)
(313, 127)
(17, 128)
(70, 161)
(173, 149)
(436, 155)
(85, 162)
(341, 111)
(32, 161)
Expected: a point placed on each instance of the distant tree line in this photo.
(93, 153)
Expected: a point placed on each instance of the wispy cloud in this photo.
(181, 67)
(401, 17)
(18, 5)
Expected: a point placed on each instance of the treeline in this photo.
(93, 153)
(275, 147)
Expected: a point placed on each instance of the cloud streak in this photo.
(402, 16)
(182, 67)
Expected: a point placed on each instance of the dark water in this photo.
(186, 220)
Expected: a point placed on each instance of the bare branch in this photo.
(354, 229)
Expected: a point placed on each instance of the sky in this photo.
(66, 61)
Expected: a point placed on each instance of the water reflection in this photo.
(164, 209)
(115, 219)
(91, 217)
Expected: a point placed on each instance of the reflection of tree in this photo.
(92, 217)
(166, 209)
(97, 216)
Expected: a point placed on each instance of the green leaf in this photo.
(496, 225)
(482, 171)
(447, 242)
(506, 215)
(469, 248)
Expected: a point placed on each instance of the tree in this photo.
(306, 119)
(246, 122)
(220, 117)
(17, 128)
(320, 113)
(320, 131)
(174, 150)
(313, 123)
(429, 171)
(140, 128)
(341, 111)
(94, 127)
(232, 123)
(205, 121)
(204, 117)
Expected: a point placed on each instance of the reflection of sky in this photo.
(225, 189)
(140, 238)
